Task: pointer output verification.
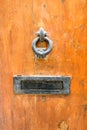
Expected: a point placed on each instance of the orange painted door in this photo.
(66, 23)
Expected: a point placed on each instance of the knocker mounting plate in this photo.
(42, 36)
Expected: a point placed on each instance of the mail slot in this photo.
(41, 84)
(44, 85)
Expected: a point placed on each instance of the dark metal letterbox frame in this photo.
(41, 84)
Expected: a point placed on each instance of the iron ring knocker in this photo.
(42, 36)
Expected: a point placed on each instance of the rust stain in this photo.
(63, 0)
(63, 126)
(85, 107)
(43, 98)
(44, 5)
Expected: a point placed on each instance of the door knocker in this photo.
(42, 37)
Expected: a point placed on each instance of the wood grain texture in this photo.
(66, 23)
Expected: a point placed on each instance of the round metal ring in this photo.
(41, 52)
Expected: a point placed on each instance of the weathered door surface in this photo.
(65, 21)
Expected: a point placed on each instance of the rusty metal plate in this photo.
(41, 84)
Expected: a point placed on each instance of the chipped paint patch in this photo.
(63, 126)
(40, 24)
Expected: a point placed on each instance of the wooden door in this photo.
(65, 21)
